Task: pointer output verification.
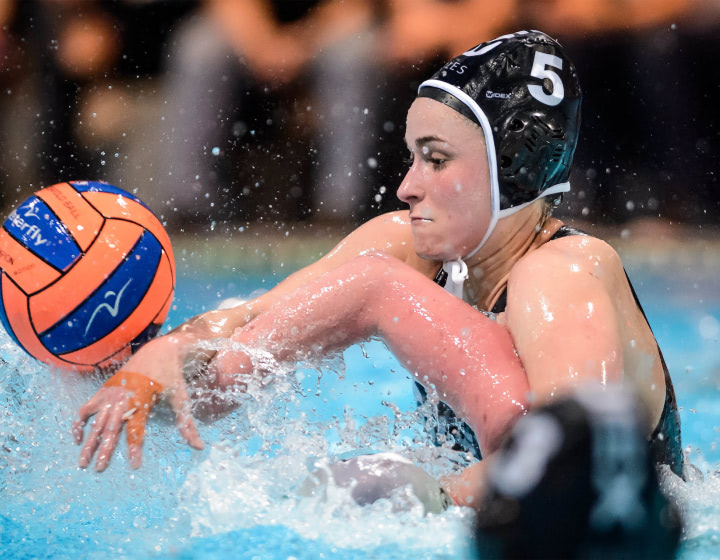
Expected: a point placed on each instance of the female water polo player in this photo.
(480, 293)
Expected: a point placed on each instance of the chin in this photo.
(426, 252)
(428, 257)
(431, 254)
(436, 249)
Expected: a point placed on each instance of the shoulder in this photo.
(573, 285)
(392, 223)
(575, 258)
(563, 313)
(389, 234)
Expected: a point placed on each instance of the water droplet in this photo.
(709, 327)
(216, 151)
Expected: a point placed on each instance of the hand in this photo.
(127, 397)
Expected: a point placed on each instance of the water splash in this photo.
(240, 495)
(241, 489)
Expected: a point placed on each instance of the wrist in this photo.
(143, 389)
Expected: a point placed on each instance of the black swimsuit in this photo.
(665, 443)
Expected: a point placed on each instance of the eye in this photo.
(437, 163)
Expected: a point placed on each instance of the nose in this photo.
(410, 188)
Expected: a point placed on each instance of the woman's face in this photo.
(448, 183)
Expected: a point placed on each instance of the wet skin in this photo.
(570, 316)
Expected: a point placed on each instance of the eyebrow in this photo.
(427, 139)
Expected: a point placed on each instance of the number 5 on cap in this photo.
(540, 70)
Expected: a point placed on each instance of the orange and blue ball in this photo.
(87, 275)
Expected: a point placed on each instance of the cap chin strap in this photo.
(457, 273)
(457, 270)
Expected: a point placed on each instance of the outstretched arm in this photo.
(469, 359)
(157, 368)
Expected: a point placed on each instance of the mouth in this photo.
(419, 220)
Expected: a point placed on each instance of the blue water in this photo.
(238, 497)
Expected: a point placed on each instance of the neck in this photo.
(513, 238)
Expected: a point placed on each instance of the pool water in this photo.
(239, 498)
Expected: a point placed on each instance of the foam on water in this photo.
(245, 482)
(252, 477)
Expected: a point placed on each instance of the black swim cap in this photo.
(524, 92)
(575, 479)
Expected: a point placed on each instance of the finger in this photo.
(135, 456)
(111, 434)
(91, 406)
(77, 430)
(180, 403)
(188, 430)
(85, 412)
(93, 439)
(135, 436)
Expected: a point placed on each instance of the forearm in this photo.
(182, 351)
(326, 315)
(183, 345)
(468, 358)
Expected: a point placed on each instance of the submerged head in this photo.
(523, 95)
(575, 479)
